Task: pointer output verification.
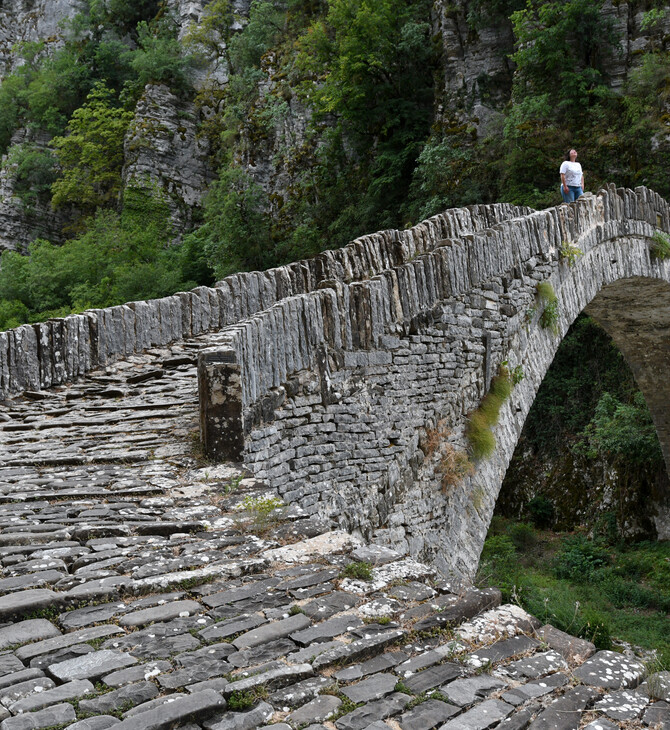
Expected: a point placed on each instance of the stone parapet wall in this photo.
(336, 389)
(39, 356)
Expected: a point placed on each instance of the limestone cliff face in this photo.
(476, 74)
(164, 148)
(163, 151)
(31, 20)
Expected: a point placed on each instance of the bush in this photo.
(35, 173)
(499, 565)
(522, 535)
(579, 558)
(12, 314)
(118, 258)
(159, 58)
(91, 154)
(541, 511)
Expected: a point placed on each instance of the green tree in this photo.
(159, 59)
(624, 433)
(35, 173)
(236, 233)
(91, 155)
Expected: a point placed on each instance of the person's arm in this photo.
(582, 182)
(565, 185)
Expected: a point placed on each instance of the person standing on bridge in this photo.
(572, 178)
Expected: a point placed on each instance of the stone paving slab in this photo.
(138, 590)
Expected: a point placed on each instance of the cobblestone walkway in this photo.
(143, 589)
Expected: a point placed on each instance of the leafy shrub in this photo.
(91, 154)
(522, 535)
(579, 558)
(541, 511)
(160, 58)
(35, 173)
(569, 252)
(117, 258)
(660, 247)
(12, 314)
(624, 432)
(499, 564)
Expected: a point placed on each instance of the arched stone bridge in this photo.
(328, 373)
(329, 394)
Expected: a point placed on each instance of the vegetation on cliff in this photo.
(332, 122)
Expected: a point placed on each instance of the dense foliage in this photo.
(82, 96)
(340, 102)
(362, 72)
(588, 418)
(595, 587)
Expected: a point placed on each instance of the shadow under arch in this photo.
(635, 313)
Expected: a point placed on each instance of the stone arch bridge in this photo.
(327, 373)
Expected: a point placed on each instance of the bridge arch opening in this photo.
(588, 453)
(634, 316)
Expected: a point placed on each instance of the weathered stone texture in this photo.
(48, 354)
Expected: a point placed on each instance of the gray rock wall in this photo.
(476, 71)
(338, 385)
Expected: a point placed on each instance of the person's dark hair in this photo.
(567, 154)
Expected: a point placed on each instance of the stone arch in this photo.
(627, 292)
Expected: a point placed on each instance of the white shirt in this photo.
(572, 172)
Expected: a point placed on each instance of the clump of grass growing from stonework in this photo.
(549, 303)
(478, 430)
(263, 510)
(660, 247)
(357, 571)
(480, 437)
(454, 466)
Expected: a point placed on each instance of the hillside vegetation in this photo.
(369, 145)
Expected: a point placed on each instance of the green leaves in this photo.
(624, 432)
(91, 155)
(118, 258)
(236, 233)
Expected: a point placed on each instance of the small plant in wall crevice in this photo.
(478, 430)
(660, 247)
(569, 252)
(549, 302)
